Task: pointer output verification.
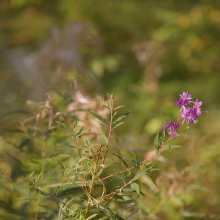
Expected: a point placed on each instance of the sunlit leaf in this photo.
(120, 117)
(98, 117)
(103, 136)
(118, 107)
(38, 177)
(92, 216)
(117, 125)
(152, 179)
(171, 147)
(60, 163)
(136, 187)
(33, 197)
(109, 212)
(88, 142)
(156, 141)
(64, 126)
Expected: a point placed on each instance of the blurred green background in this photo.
(144, 52)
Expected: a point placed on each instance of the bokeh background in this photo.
(65, 56)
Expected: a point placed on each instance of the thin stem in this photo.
(110, 126)
(142, 161)
(77, 145)
(130, 181)
(110, 129)
(92, 183)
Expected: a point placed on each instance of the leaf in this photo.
(109, 106)
(106, 107)
(137, 162)
(69, 145)
(109, 212)
(121, 197)
(31, 174)
(136, 187)
(118, 107)
(99, 117)
(123, 161)
(33, 197)
(60, 163)
(152, 179)
(92, 216)
(64, 126)
(75, 124)
(156, 141)
(59, 184)
(120, 117)
(81, 132)
(117, 125)
(74, 191)
(139, 175)
(24, 142)
(103, 136)
(171, 147)
(88, 142)
(162, 138)
(38, 177)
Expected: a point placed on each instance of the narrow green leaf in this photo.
(139, 175)
(136, 187)
(33, 197)
(88, 142)
(75, 124)
(118, 107)
(156, 141)
(114, 114)
(69, 145)
(92, 216)
(123, 161)
(137, 162)
(121, 197)
(103, 136)
(109, 212)
(99, 117)
(81, 132)
(31, 174)
(60, 163)
(163, 135)
(64, 126)
(120, 117)
(74, 191)
(109, 106)
(38, 177)
(171, 147)
(106, 107)
(152, 179)
(59, 184)
(161, 139)
(117, 125)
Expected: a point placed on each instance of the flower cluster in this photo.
(189, 113)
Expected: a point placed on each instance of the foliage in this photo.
(145, 53)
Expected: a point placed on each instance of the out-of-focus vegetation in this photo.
(60, 57)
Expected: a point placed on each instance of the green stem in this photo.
(91, 187)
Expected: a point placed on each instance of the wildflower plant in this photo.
(85, 189)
